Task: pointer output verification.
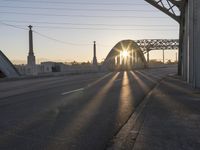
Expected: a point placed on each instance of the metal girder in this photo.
(147, 45)
(178, 3)
(169, 7)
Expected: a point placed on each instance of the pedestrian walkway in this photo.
(170, 120)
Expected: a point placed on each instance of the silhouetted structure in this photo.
(94, 57)
(7, 69)
(31, 57)
(147, 45)
(188, 17)
(125, 55)
(31, 65)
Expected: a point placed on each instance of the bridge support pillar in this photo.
(191, 44)
(163, 56)
(147, 56)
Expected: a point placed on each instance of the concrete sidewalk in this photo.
(167, 119)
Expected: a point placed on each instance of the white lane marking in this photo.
(69, 92)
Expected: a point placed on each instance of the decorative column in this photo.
(31, 68)
(31, 57)
(94, 57)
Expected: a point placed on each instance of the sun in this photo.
(124, 53)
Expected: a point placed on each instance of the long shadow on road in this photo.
(172, 119)
(88, 120)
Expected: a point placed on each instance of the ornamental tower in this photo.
(94, 57)
(31, 57)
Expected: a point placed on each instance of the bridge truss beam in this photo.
(170, 8)
(147, 45)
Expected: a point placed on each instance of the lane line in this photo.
(88, 86)
(73, 91)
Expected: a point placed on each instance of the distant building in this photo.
(21, 69)
(49, 66)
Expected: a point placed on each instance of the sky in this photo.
(64, 30)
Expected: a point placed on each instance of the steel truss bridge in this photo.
(187, 14)
(147, 45)
(174, 9)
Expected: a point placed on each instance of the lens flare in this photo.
(124, 53)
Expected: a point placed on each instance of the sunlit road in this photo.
(80, 112)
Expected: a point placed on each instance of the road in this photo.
(81, 112)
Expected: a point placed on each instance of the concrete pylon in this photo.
(31, 57)
(31, 65)
(94, 57)
(147, 56)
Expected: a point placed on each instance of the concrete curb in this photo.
(126, 137)
(44, 76)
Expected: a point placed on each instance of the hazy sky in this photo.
(78, 23)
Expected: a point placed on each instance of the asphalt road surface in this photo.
(81, 112)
